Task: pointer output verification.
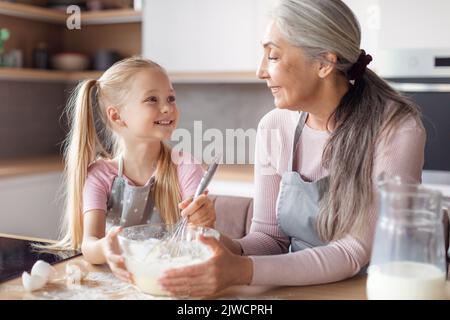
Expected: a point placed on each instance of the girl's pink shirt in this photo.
(101, 174)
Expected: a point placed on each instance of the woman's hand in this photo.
(114, 259)
(224, 269)
(200, 212)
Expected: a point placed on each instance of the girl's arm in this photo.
(98, 248)
(93, 236)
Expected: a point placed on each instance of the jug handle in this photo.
(446, 210)
(446, 205)
(446, 201)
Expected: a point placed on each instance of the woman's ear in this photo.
(113, 115)
(326, 66)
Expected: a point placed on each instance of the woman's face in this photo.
(291, 76)
(150, 111)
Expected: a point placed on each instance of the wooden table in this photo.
(102, 284)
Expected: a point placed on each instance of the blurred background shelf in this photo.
(214, 77)
(176, 77)
(30, 12)
(46, 75)
(118, 30)
(23, 166)
(42, 14)
(111, 17)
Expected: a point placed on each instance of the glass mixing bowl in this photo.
(147, 258)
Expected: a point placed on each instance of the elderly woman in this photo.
(336, 129)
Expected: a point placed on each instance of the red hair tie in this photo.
(359, 67)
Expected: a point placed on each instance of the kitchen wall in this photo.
(223, 106)
(31, 122)
(30, 118)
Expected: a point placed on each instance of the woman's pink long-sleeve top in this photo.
(402, 155)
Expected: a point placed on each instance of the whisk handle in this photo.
(206, 179)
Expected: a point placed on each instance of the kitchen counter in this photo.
(39, 165)
(101, 284)
(234, 180)
(31, 165)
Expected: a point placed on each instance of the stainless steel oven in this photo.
(424, 75)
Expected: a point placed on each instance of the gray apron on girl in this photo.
(298, 202)
(130, 205)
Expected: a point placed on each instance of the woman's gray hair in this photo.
(318, 27)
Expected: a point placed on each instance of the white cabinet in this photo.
(402, 24)
(204, 35)
(405, 24)
(30, 205)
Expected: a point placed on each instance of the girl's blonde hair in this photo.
(91, 136)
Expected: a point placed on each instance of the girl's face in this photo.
(290, 75)
(150, 112)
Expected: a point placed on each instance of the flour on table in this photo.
(96, 286)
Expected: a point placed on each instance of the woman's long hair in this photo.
(361, 118)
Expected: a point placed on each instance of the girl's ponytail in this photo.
(80, 150)
(79, 153)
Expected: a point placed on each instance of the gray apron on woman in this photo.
(130, 205)
(298, 202)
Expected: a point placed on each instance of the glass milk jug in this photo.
(408, 256)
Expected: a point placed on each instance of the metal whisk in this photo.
(175, 239)
(171, 245)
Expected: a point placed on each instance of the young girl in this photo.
(119, 172)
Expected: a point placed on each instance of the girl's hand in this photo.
(113, 256)
(200, 212)
(224, 269)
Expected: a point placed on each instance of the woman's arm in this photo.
(223, 270)
(233, 245)
(265, 236)
(403, 156)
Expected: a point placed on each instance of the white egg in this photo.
(32, 282)
(44, 270)
(73, 275)
(76, 271)
(83, 266)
